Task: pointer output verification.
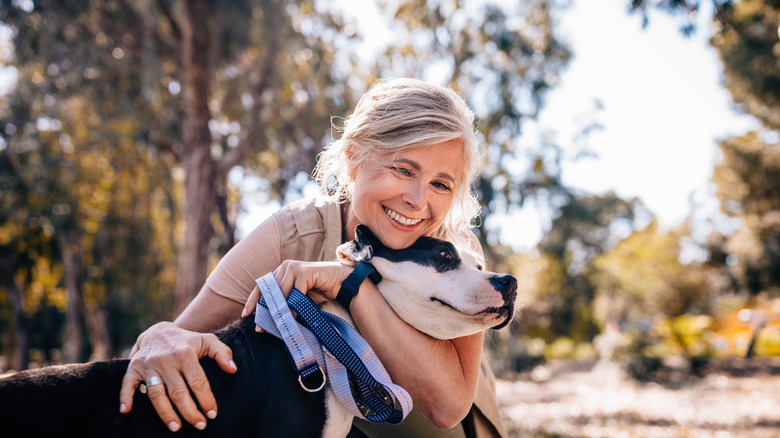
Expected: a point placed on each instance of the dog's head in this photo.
(432, 286)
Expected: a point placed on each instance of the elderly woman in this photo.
(404, 167)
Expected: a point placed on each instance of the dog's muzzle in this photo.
(507, 286)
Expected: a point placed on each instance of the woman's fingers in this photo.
(319, 280)
(215, 349)
(129, 383)
(171, 390)
(251, 302)
(195, 382)
(167, 362)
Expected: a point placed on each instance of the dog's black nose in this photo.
(506, 284)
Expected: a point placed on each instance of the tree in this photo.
(686, 10)
(748, 44)
(184, 79)
(128, 116)
(747, 178)
(586, 227)
(642, 278)
(557, 289)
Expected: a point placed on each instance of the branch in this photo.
(166, 11)
(236, 154)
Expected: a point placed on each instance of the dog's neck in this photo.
(333, 307)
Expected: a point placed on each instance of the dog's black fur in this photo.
(263, 398)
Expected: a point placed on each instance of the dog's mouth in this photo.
(505, 313)
(502, 312)
(444, 303)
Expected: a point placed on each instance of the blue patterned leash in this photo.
(356, 375)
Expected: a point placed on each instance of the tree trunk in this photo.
(22, 337)
(96, 320)
(72, 343)
(19, 357)
(200, 180)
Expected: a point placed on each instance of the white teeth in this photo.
(400, 219)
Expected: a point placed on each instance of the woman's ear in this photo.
(350, 157)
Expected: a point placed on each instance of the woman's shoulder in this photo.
(310, 212)
(309, 228)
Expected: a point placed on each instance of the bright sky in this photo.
(664, 110)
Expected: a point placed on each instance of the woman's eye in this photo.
(401, 171)
(441, 186)
(446, 254)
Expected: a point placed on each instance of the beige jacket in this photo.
(311, 230)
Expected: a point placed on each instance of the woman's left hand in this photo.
(321, 281)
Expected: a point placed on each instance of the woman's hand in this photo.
(171, 353)
(321, 281)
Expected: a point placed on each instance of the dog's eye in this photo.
(446, 254)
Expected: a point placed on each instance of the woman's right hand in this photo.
(171, 353)
(320, 281)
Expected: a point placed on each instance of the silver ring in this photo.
(154, 380)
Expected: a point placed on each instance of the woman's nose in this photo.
(414, 195)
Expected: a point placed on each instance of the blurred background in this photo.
(631, 180)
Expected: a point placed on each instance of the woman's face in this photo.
(411, 196)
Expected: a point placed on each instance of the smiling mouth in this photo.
(403, 220)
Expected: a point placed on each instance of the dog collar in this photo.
(350, 286)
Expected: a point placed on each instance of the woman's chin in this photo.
(393, 241)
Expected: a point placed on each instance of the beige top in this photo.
(311, 230)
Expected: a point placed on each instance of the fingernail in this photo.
(212, 414)
(173, 426)
(122, 408)
(232, 365)
(258, 328)
(200, 425)
(243, 312)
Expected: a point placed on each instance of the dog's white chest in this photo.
(338, 421)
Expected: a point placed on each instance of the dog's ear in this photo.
(358, 250)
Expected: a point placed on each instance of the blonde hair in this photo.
(395, 115)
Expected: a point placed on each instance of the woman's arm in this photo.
(441, 376)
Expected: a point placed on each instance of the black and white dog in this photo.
(431, 285)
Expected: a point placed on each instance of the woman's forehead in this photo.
(446, 156)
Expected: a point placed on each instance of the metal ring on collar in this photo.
(307, 389)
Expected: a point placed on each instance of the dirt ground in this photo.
(736, 398)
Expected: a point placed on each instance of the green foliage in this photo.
(747, 179)
(556, 291)
(642, 277)
(749, 46)
(586, 271)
